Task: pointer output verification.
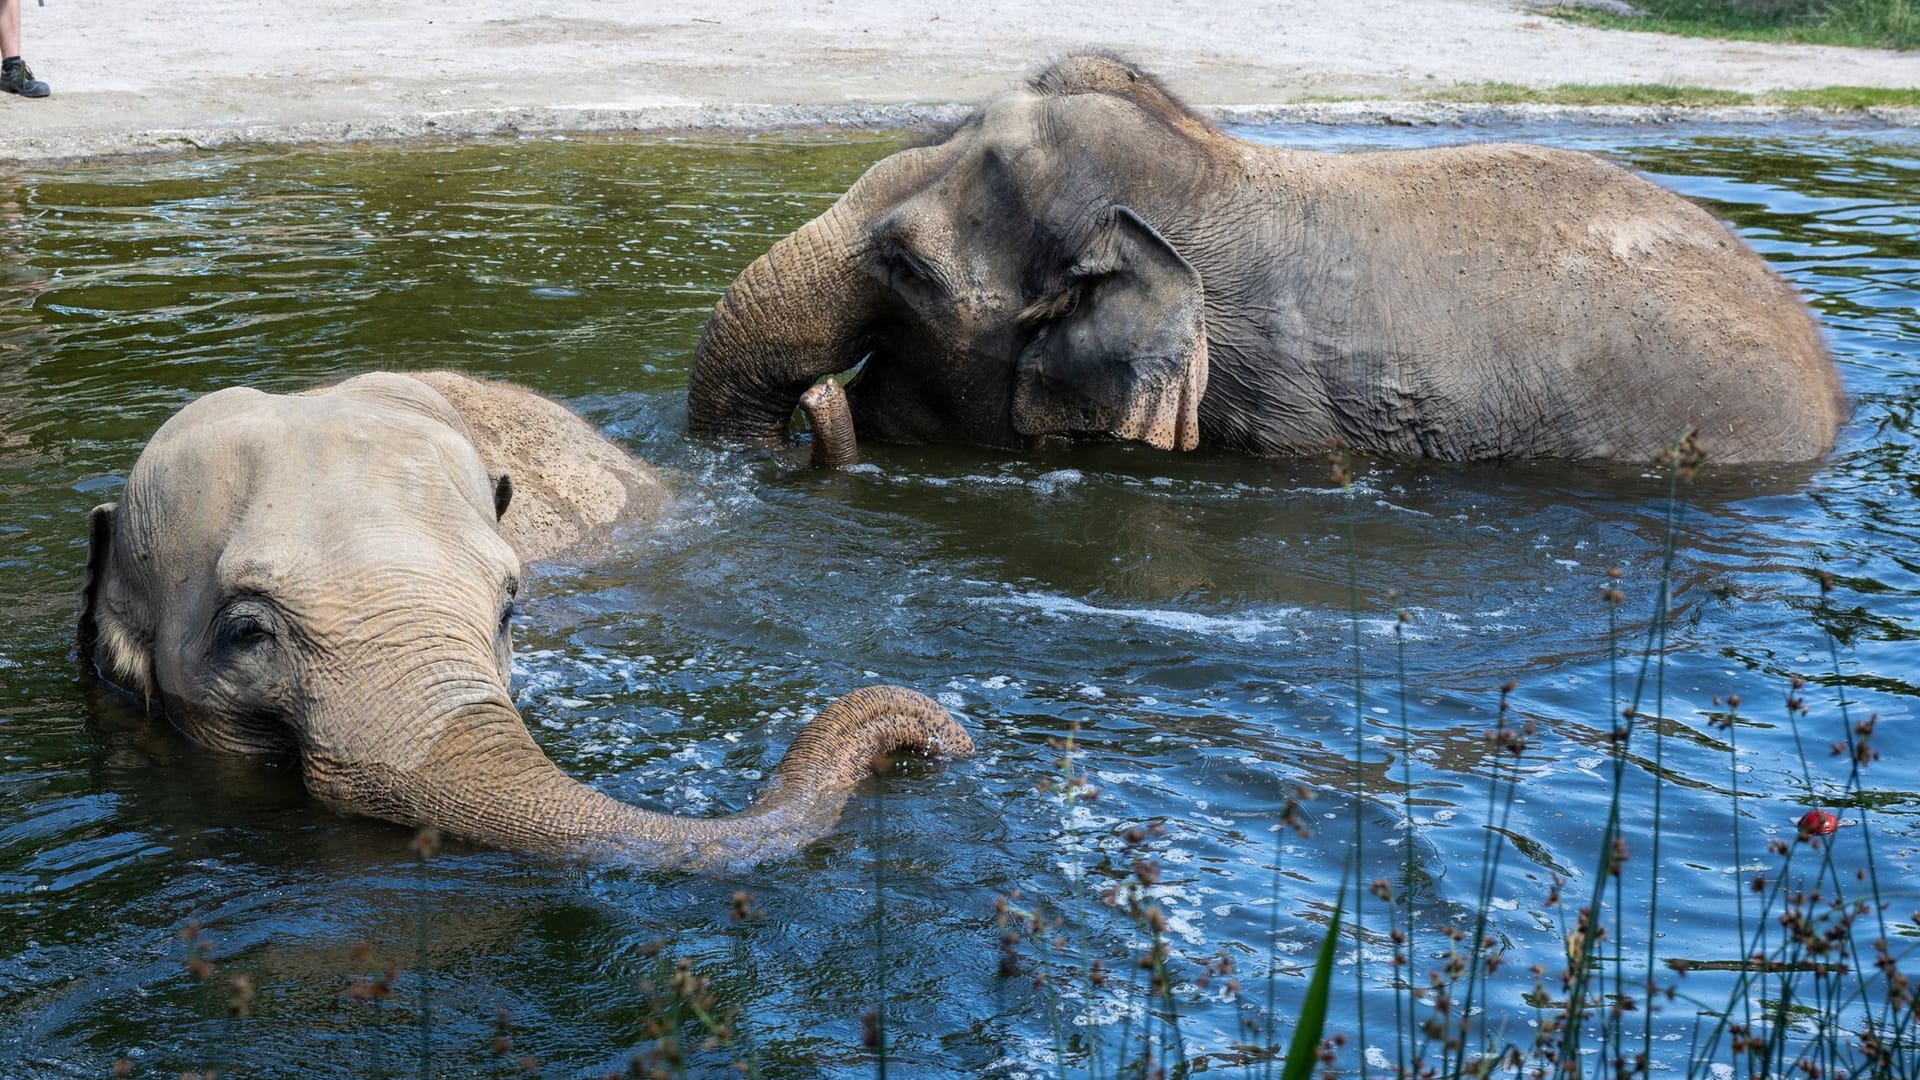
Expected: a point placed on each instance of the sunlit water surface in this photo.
(1189, 613)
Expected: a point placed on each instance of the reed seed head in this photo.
(240, 1001)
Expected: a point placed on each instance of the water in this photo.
(1189, 613)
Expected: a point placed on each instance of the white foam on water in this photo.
(1281, 621)
(1386, 504)
(992, 481)
(1050, 483)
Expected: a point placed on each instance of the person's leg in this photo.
(15, 78)
(9, 28)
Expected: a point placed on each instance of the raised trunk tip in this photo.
(831, 417)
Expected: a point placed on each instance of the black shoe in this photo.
(18, 79)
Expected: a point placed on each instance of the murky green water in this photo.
(1189, 612)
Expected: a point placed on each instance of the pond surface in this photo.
(1190, 614)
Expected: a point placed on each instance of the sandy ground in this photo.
(133, 75)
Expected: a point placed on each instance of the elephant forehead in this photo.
(278, 446)
(1032, 180)
(1038, 137)
(311, 470)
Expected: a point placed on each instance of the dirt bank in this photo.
(132, 76)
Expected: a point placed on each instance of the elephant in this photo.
(329, 577)
(1086, 257)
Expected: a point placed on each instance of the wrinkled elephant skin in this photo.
(1085, 257)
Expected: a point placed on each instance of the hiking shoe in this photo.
(18, 79)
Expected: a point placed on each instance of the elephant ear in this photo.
(1122, 349)
(502, 495)
(108, 642)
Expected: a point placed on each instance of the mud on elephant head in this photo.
(331, 577)
(1087, 257)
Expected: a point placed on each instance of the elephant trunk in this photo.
(486, 780)
(831, 416)
(797, 313)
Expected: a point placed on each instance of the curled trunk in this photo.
(486, 780)
(800, 311)
(831, 417)
(795, 314)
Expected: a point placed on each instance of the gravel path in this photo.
(134, 76)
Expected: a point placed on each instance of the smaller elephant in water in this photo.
(1087, 257)
(330, 577)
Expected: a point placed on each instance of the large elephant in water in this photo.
(1087, 257)
(330, 577)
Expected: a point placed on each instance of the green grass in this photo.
(1832, 98)
(1500, 93)
(1845, 98)
(1881, 24)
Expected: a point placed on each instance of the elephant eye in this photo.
(245, 625)
(905, 270)
(507, 613)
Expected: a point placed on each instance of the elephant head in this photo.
(1002, 286)
(324, 578)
